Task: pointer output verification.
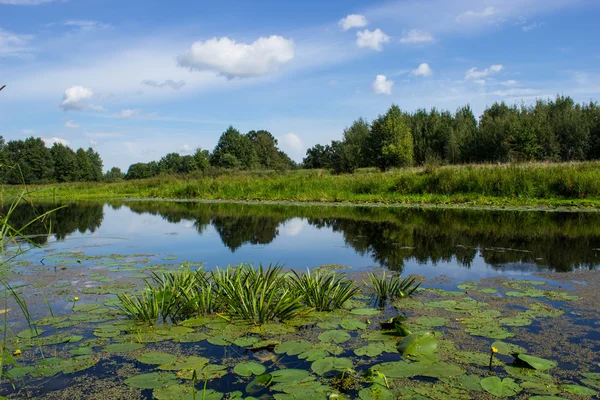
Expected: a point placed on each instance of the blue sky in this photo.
(136, 79)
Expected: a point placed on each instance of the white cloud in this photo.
(510, 82)
(292, 142)
(76, 98)
(382, 85)
(353, 21)
(87, 25)
(422, 70)
(186, 149)
(168, 83)
(475, 74)
(72, 125)
(50, 141)
(416, 36)
(527, 28)
(516, 92)
(14, 45)
(292, 227)
(28, 131)
(471, 14)
(127, 113)
(372, 39)
(231, 59)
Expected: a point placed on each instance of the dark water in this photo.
(462, 244)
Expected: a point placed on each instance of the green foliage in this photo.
(392, 288)
(232, 146)
(322, 291)
(391, 141)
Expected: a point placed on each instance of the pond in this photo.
(522, 282)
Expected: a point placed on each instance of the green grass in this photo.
(531, 184)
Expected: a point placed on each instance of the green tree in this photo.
(142, 171)
(96, 164)
(235, 144)
(201, 158)
(318, 156)
(170, 164)
(31, 159)
(391, 141)
(355, 146)
(65, 163)
(265, 147)
(84, 166)
(114, 175)
(463, 145)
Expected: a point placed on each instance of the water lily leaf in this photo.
(259, 383)
(249, 369)
(85, 307)
(77, 364)
(209, 371)
(313, 355)
(538, 363)
(156, 358)
(506, 387)
(30, 333)
(579, 390)
(527, 374)
(152, 380)
(430, 322)
(418, 345)
(192, 362)
(353, 324)
(289, 375)
(489, 291)
(245, 341)
(542, 388)
(194, 337)
(220, 340)
(293, 347)
(442, 304)
(19, 372)
(81, 351)
(402, 369)
(263, 344)
(376, 392)
(467, 382)
(515, 321)
(335, 336)
(334, 324)
(327, 364)
(508, 349)
(375, 349)
(365, 311)
(273, 329)
(122, 347)
(196, 322)
(184, 392)
(481, 359)
(306, 389)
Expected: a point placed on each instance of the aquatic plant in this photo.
(385, 288)
(256, 295)
(323, 292)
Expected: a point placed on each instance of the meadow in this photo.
(519, 184)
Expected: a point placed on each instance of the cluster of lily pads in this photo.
(257, 295)
(334, 341)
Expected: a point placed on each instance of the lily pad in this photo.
(540, 364)
(418, 345)
(375, 349)
(249, 369)
(293, 347)
(508, 349)
(365, 311)
(506, 387)
(579, 390)
(185, 392)
(122, 347)
(353, 324)
(327, 364)
(335, 336)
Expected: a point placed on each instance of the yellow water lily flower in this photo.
(75, 298)
(17, 352)
(494, 350)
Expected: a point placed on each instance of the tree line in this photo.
(251, 151)
(549, 130)
(30, 161)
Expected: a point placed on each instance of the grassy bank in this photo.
(567, 184)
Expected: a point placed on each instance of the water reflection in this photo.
(390, 237)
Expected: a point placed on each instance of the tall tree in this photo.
(238, 146)
(391, 141)
(65, 163)
(84, 166)
(96, 164)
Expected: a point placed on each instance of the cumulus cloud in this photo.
(372, 39)
(14, 45)
(353, 21)
(292, 141)
(382, 85)
(231, 59)
(416, 36)
(475, 74)
(50, 141)
(471, 14)
(77, 98)
(422, 70)
(127, 113)
(168, 83)
(72, 125)
(186, 149)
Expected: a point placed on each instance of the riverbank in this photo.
(532, 185)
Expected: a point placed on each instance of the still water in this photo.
(460, 244)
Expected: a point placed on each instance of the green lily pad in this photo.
(365, 311)
(245, 341)
(185, 392)
(335, 336)
(327, 364)
(579, 390)
(313, 354)
(289, 375)
(541, 364)
(30, 333)
(156, 358)
(481, 359)
(527, 374)
(508, 349)
(541, 388)
(418, 345)
(249, 369)
(192, 362)
(403, 369)
(353, 324)
(375, 349)
(376, 392)
(293, 347)
(81, 351)
(122, 347)
(152, 380)
(506, 387)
